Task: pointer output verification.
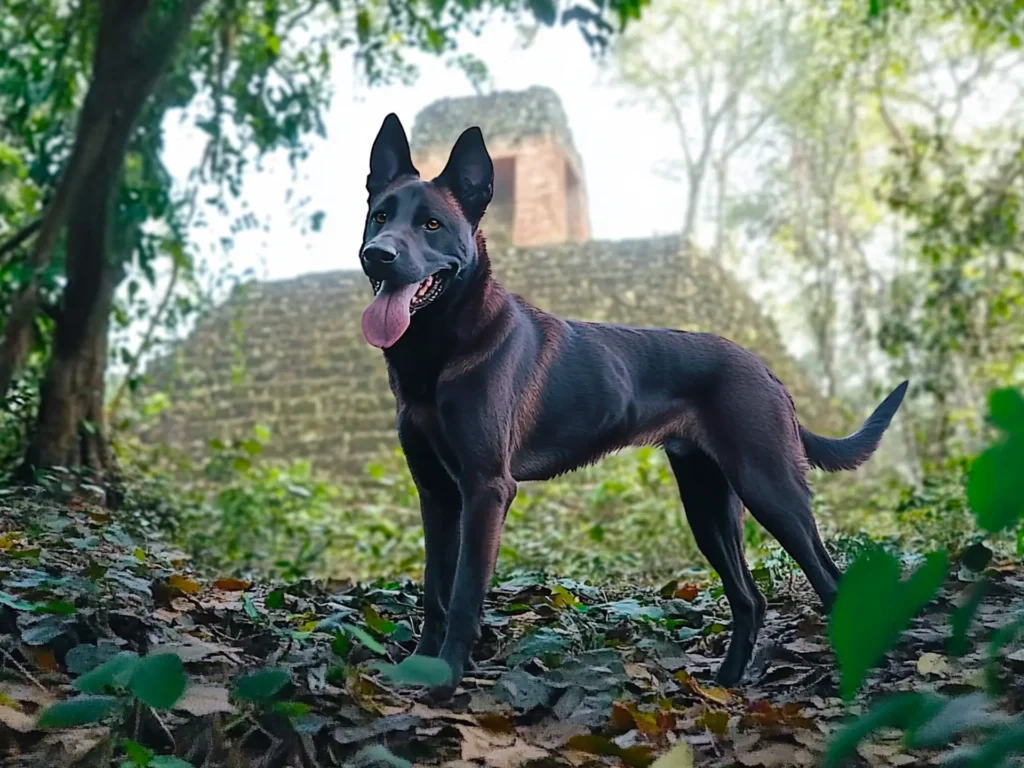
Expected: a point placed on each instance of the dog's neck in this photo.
(483, 297)
(443, 331)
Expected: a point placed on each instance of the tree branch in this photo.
(19, 237)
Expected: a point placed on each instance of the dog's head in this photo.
(419, 241)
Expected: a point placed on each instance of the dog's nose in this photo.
(379, 254)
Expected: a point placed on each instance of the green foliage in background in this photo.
(863, 628)
(241, 509)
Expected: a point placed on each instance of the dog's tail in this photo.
(834, 454)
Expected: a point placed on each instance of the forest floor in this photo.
(568, 674)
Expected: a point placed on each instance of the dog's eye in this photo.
(432, 224)
(380, 217)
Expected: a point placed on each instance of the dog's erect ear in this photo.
(389, 157)
(469, 174)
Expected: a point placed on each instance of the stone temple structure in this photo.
(290, 354)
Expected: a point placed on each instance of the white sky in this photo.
(620, 146)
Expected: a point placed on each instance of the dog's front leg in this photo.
(486, 500)
(440, 506)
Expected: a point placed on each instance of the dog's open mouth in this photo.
(427, 291)
(388, 315)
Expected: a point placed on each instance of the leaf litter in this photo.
(313, 674)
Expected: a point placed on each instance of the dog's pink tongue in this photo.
(387, 317)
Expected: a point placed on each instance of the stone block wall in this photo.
(546, 210)
(290, 354)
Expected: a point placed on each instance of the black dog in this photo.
(491, 391)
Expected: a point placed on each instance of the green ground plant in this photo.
(862, 628)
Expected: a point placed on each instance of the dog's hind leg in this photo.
(716, 519)
(780, 500)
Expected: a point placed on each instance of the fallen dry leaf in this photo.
(717, 695)
(680, 756)
(200, 700)
(231, 585)
(933, 664)
(776, 756)
(44, 659)
(516, 755)
(185, 584)
(479, 743)
(16, 720)
(715, 720)
(686, 591)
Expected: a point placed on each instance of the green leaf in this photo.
(159, 680)
(340, 645)
(378, 623)
(995, 485)
(972, 713)
(16, 603)
(261, 686)
(274, 599)
(292, 708)
(378, 753)
(862, 627)
(250, 609)
(1006, 409)
(362, 25)
(961, 618)
(44, 631)
(901, 710)
(364, 637)
(543, 643)
(169, 761)
(252, 447)
(545, 11)
(78, 711)
(417, 670)
(56, 607)
(115, 672)
(138, 754)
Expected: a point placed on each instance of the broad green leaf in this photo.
(862, 627)
(992, 752)
(1006, 409)
(44, 631)
(379, 754)
(261, 686)
(56, 607)
(544, 10)
(16, 603)
(995, 484)
(900, 710)
(78, 711)
(274, 599)
(159, 680)
(417, 670)
(341, 644)
(250, 608)
(1001, 637)
(961, 618)
(962, 714)
(292, 708)
(137, 753)
(378, 623)
(169, 761)
(544, 643)
(115, 672)
(364, 637)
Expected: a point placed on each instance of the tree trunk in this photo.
(70, 432)
(133, 49)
